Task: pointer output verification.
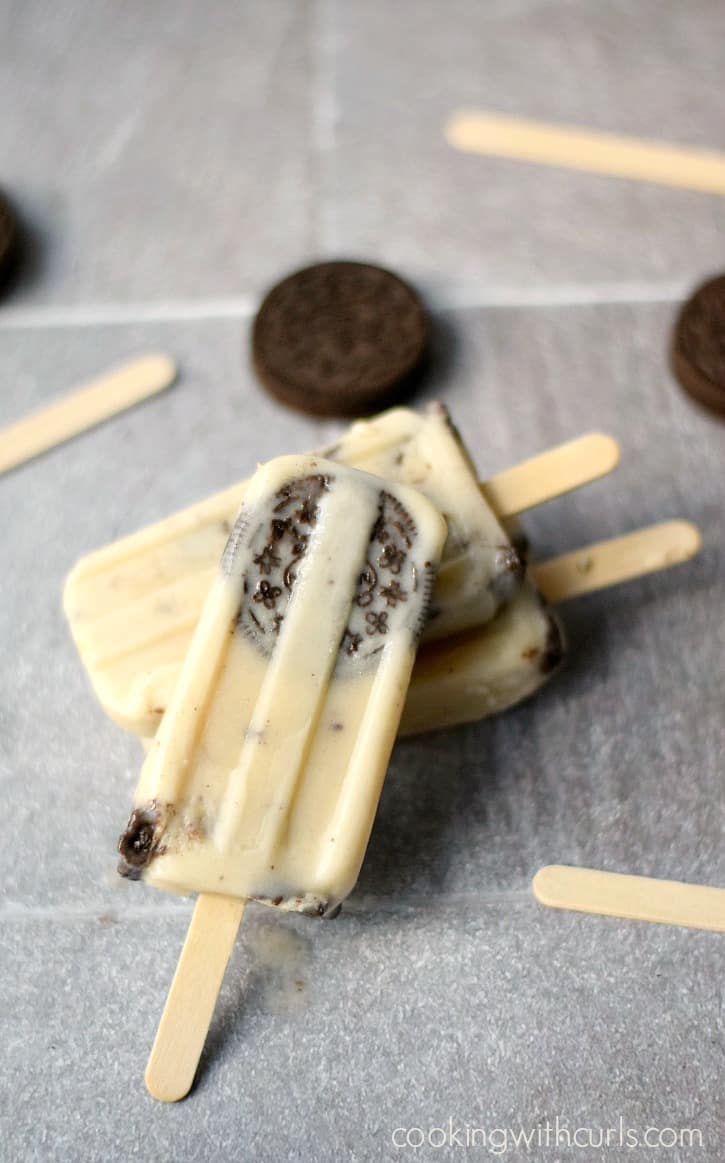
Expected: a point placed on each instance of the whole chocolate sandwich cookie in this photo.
(698, 347)
(340, 339)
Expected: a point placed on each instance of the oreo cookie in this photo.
(340, 339)
(698, 345)
(9, 237)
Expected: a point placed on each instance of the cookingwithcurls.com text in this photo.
(560, 1133)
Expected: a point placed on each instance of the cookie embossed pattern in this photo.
(389, 577)
(340, 339)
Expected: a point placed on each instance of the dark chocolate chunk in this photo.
(554, 650)
(138, 842)
(698, 345)
(340, 339)
(509, 559)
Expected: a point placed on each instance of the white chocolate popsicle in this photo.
(133, 605)
(264, 777)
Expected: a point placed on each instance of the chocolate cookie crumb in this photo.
(138, 843)
(554, 651)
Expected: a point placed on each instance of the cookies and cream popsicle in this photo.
(264, 777)
(133, 605)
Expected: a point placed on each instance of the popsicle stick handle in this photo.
(190, 1004)
(592, 151)
(81, 409)
(551, 473)
(607, 563)
(636, 898)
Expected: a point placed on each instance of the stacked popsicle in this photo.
(283, 674)
(265, 774)
(133, 606)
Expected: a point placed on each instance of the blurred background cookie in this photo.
(698, 346)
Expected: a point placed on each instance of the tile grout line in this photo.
(460, 299)
(110, 314)
(367, 906)
(472, 297)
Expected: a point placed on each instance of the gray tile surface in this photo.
(454, 219)
(158, 151)
(328, 1037)
(442, 991)
(619, 762)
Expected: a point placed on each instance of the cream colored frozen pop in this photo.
(485, 671)
(264, 777)
(133, 605)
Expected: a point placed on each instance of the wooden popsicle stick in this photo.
(109, 394)
(636, 898)
(550, 474)
(592, 151)
(192, 997)
(607, 563)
